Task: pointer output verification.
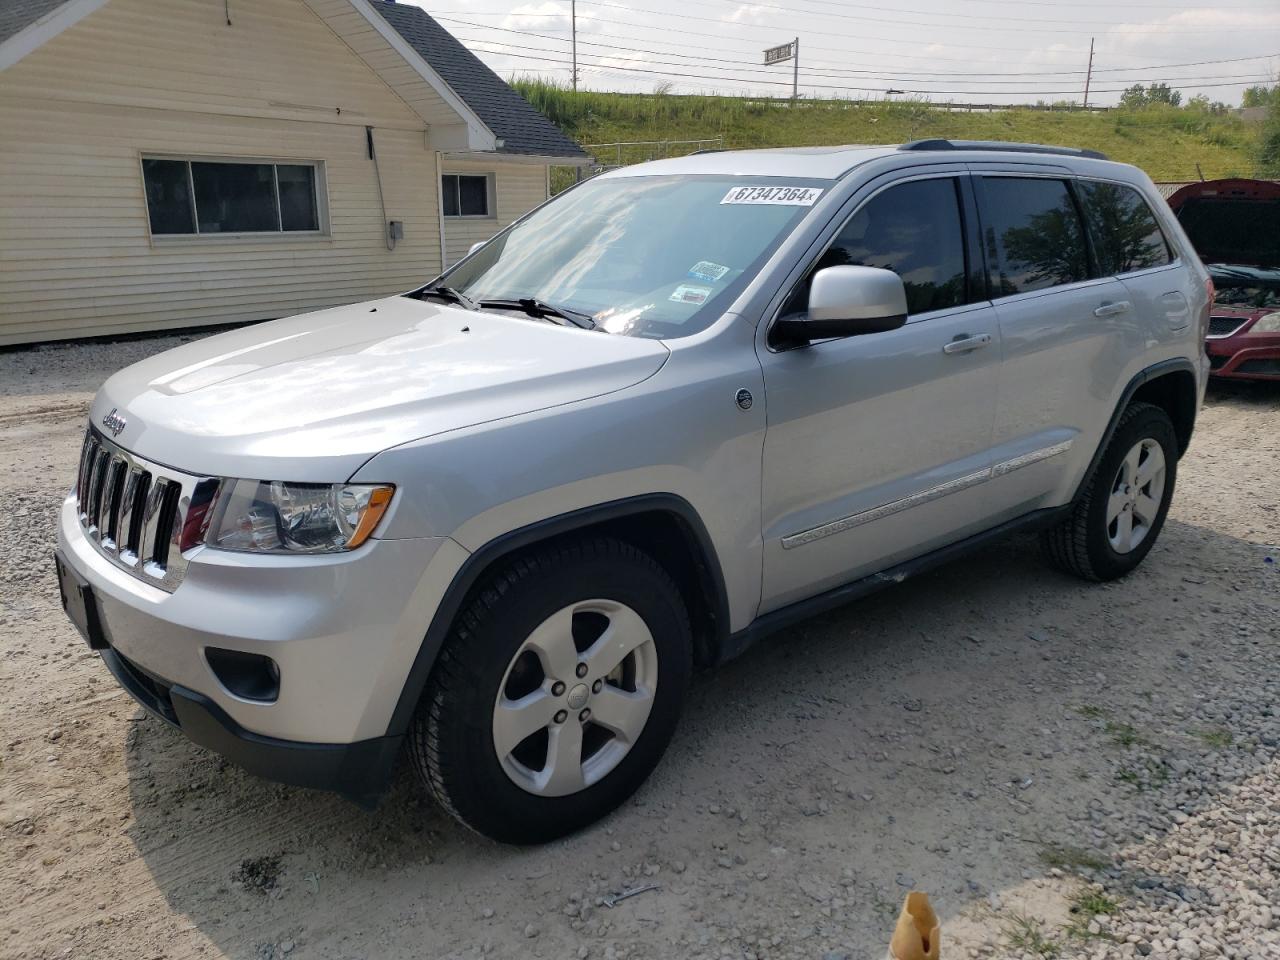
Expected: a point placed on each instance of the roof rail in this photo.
(1003, 146)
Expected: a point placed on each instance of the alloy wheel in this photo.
(575, 697)
(1136, 494)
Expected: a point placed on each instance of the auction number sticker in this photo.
(786, 196)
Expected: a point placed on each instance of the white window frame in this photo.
(491, 196)
(252, 236)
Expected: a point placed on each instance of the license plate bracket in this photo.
(79, 604)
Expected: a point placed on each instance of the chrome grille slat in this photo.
(133, 510)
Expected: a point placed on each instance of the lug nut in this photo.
(557, 689)
(582, 670)
(597, 686)
(562, 716)
(584, 716)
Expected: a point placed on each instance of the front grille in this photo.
(134, 511)
(1270, 368)
(1225, 326)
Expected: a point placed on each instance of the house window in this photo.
(466, 195)
(206, 197)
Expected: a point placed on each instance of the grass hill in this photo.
(1167, 142)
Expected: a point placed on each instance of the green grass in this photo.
(1027, 934)
(1086, 905)
(1070, 858)
(1125, 735)
(1166, 142)
(1219, 739)
(1091, 712)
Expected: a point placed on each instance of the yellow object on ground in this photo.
(917, 934)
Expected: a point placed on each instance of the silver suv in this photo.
(498, 521)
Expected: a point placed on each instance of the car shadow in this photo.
(942, 734)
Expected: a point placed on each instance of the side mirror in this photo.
(476, 246)
(848, 301)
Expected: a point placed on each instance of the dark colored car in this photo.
(1235, 227)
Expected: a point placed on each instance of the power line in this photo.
(820, 86)
(701, 58)
(844, 50)
(752, 68)
(1088, 29)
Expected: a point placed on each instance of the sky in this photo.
(977, 51)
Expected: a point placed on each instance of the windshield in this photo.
(656, 257)
(1233, 231)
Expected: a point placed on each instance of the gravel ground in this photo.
(1068, 770)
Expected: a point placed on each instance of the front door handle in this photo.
(1112, 309)
(964, 343)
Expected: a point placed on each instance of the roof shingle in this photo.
(513, 120)
(16, 15)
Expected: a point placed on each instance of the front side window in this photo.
(644, 256)
(1126, 235)
(1034, 232)
(465, 195)
(913, 229)
(206, 197)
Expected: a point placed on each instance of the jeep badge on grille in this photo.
(114, 422)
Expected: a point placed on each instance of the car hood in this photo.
(312, 397)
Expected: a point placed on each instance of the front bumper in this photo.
(359, 771)
(344, 630)
(1245, 356)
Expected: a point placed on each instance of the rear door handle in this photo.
(965, 343)
(1112, 309)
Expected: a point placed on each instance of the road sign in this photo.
(778, 54)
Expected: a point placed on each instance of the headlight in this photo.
(274, 517)
(1267, 323)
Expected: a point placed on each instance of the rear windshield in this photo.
(1233, 231)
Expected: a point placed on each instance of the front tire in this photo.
(1120, 512)
(556, 691)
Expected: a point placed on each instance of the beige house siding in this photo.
(134, 78)
(518, 186)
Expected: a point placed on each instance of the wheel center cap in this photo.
(578, 696)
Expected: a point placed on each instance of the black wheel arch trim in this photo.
(509, 543)
(1146, 375)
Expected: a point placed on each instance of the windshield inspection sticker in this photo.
(787, 196)
(687, 293)
(708, 271)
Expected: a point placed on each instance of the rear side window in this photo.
(1035, 234)
(1126, 234)
(913, 229)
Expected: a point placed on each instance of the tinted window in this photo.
(235, 197)
(465, 196)
(1035, 231)
(168, 196)
(230, 197)
(913, 229)
(1125, 233)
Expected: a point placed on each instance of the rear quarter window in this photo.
(1126, 235)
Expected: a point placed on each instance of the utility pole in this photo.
(1088, 75)
(795, 71)
(573, 16)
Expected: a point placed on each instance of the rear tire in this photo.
(528, 730)
(1121, 510)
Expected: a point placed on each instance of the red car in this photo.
(1235, 227)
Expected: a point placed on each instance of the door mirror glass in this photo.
(846, 301)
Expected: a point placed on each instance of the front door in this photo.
(877, 446)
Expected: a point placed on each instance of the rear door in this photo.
(1130, 245)
(1066, 329)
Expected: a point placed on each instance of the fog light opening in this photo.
(249, 676)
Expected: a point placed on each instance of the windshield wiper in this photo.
(450, 294)
(543, 310)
